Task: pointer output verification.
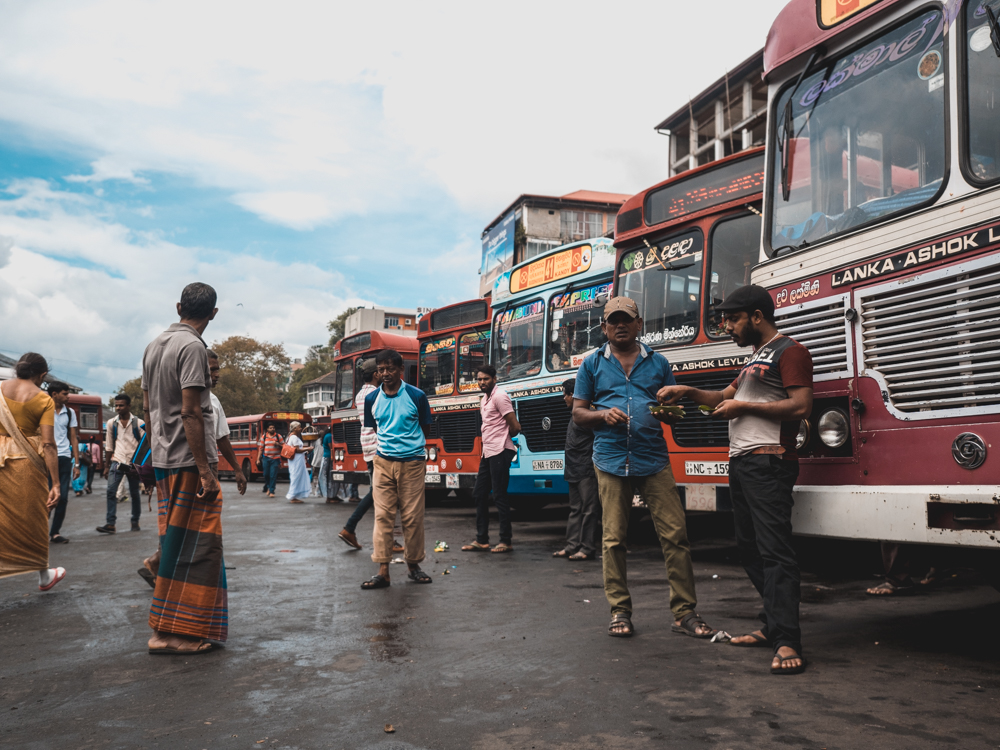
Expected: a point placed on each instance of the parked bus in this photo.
(244, 432)
(881, 242)
(683, 245)
(90, 418)
(454, 341)
(546, 319)
(347, 462)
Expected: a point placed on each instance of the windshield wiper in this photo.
(991, 19)
(788, 127)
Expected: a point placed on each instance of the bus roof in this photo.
(276, 415)
(83, 398)
(556, 268)
(798, 29)
(453, 317)
(369, 341)
(717, 186)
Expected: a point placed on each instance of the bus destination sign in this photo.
(832, 12)
(712, 188)
(557, 266)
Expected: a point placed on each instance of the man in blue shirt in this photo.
(620, 381)
(401, 417)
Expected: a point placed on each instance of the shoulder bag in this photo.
(10, 424)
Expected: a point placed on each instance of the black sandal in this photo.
(59, 539)
(791, 670)
(418, 576)
(376, 582)
(758, 641)
(620, 618)
(689, 626)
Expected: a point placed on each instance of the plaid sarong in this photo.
(190, 594)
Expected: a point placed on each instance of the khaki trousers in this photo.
(660, 494)
(398, 486)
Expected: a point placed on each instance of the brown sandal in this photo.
(475, 547)
(503, 547)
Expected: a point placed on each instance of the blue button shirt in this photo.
(397, 420)
(638, 448)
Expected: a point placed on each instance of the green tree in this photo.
(249, 374)
(319, 361)
(133, 388)
(336, 326)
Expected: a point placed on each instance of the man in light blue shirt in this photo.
(401, 417)
(68, 450)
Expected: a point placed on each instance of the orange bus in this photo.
(682, 246)
(347, 462)
(454, 341)
(244, 432)
(90, 418)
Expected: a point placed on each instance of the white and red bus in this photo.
(454, 341)
(244, 432)
(881, 248)
(681, 247)
(90, 418)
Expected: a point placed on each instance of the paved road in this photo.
(503, 652)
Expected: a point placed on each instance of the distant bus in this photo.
(244, 432)
(90, 416)
(454, 341)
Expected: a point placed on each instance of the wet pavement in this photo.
(502, 651)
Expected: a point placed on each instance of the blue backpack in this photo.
(142, 459)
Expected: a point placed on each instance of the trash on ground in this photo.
(441, 546)
(586, 601)
(397, 561)
(715, 576)
(721, 636)
(446, 572)
(389, 729)
(454, 567)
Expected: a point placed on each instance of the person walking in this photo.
(80, 483)
(298, 474)
(401, 417)
(30, 476)
(621, 380)
(95, 451)
(68, 450)
(122, 437)
(764, 406)
(326, 441)
(269, 447)
(584, 502)
(190, 605)
(499, 426)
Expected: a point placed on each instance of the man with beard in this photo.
(764, 406)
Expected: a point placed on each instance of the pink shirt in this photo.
(496, 435)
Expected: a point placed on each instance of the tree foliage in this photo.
(319, 361)
(133, 388)
(336, 326)
(250, 372)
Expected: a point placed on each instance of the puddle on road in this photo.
(386, 646)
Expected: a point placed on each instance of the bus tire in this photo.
(247, 472)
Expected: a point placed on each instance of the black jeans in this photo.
(65, 477)
(584, 517)
(494, 473)
(116, 473)
(760, 487)
(364, 505)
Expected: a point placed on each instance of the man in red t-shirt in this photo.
(764, 405)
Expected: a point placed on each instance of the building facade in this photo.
(396, 319)
(320, 398)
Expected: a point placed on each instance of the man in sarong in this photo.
(189, 608)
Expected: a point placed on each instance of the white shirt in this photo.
(369, 438)
(122, 449)
(64, 420)
(221, 425)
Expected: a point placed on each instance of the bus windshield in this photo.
(472, 350)
(862, 138)
(665, 282)
(518, 338)
(437, 366)
(345, 384)
(984, 90)
(576, 325)
(734, 248)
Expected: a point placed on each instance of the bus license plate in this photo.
(432, 468)
(699, 497)
(432, 478)
(706, 468)
(338, 477)
(451, 481)
(547, 464)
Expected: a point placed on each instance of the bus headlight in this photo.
(432, 453)
(805, 432)
(833, 428)
(458, 463)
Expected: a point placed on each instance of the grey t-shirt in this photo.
(175, 360)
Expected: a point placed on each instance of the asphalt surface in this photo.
(505, 651)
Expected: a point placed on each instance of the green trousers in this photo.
(660, 494)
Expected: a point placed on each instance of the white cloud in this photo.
(6, 244)
(291, 208)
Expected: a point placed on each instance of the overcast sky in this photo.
(302, 157)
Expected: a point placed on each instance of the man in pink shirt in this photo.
(499, 426)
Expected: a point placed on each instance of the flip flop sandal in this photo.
(561, 553)
(475, 547)
(376, 582)
(60, 574)
(171, 651)
(502, 547)
(891, 588)
(296, 502)
(147, 576)
(59, 539)
(620, 618)
(580, 556)
(419, 576)
(791, 670)
(689, 626)
(758, 641)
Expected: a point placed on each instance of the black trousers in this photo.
(760, 487)
(65, 476)
(494, 474)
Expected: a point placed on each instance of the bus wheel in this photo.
(246, 471)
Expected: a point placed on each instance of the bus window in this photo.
(411, 372)
(866, 137)
(669, 301)
(983, 157)
(437, 366)
(472, 348)
(344, 396)
(518, 338)
(733, 250)
(253, 431)
(575, 326)
(358, 377)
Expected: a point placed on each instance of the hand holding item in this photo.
(729, 409)
(667, 414)
(671, 394)
(614, 416)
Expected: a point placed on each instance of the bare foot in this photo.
(750, 640)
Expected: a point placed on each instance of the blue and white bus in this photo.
(546, 319)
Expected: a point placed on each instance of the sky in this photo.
(302, 157)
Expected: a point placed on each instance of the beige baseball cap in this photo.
(621, 304)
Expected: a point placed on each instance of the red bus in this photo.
(682, 246)
(90, 418)
(244, 433)
(882, 241)
(347, 460)
(454, 341)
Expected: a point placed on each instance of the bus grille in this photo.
(698, 430)
(337, 432)
(457, 430)
(822, 329)
(352, 436)
(936, 343)
(531, 413)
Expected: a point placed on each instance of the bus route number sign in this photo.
(552, 268)
(832, 12)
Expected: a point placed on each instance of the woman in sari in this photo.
(298, 474)
(26, 435)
